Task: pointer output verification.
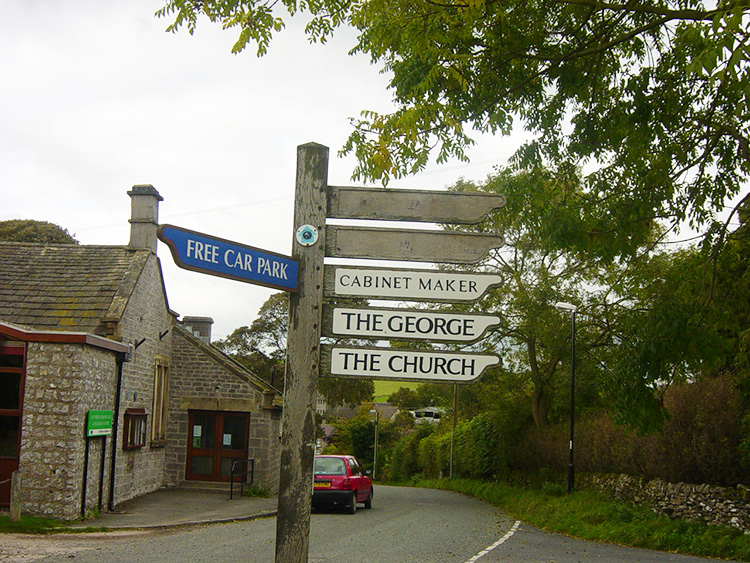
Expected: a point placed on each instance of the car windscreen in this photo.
(329, 466)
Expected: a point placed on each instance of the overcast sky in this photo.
(96, 97)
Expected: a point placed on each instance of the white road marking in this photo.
(497, 543)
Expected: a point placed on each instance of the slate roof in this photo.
(65, 286)
(386, 410)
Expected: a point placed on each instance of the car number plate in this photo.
(324, 484)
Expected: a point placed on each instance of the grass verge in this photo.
(256, 491)
(39, 525)
(595, 516)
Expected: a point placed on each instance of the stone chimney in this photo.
(199, 327)
(144, 216)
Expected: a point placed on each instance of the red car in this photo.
(339, 480)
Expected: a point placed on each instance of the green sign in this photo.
(99, 423)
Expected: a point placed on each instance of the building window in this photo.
(159, 407)
(134, 431)
(9, 432)
(10, 389)
(12, 353)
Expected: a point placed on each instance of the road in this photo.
(404, 525)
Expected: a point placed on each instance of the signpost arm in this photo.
(302, 362)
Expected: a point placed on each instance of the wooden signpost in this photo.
(314, 240)
(308, 280)
(302, 358)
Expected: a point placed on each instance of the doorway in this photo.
(216, 439)
(12, 376)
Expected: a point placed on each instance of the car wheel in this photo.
(351, 508)
(368, 500)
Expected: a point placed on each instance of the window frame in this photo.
(135, 421)
(160, 402)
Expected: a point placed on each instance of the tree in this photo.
(356, 435)
(690, 323)
(670, 331)
(660, 318)
(241, 346)
(533, 337)
(406, 398)
(269, 329)
(261, 347)
(26, 230)
(651, 97)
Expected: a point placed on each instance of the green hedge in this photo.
(426, 452)
(700, 443)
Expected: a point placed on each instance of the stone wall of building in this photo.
(146, 324)
(63, 382)
(264, 446)
(703, 503)
(201, 381)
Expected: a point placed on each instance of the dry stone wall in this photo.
(703, 503)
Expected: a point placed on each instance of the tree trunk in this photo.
(539, 397)
(540, 405)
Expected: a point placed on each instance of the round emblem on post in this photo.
(307, 235)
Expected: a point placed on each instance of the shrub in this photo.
(701, 442)
(404, 463)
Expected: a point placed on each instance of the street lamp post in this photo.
(571, 466)
(375, 459)
(453, 430)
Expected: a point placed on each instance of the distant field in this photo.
(383, 389)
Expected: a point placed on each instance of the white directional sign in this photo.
(391, 363)
(411, 205)
(413, 245)
(416, 285)
(409, 324)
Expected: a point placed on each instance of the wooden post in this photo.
(15, 496)
(302, 362)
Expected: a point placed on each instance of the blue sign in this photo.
(227, 259)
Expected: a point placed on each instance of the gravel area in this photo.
(24, 547)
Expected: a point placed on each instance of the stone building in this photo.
(87, 331)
